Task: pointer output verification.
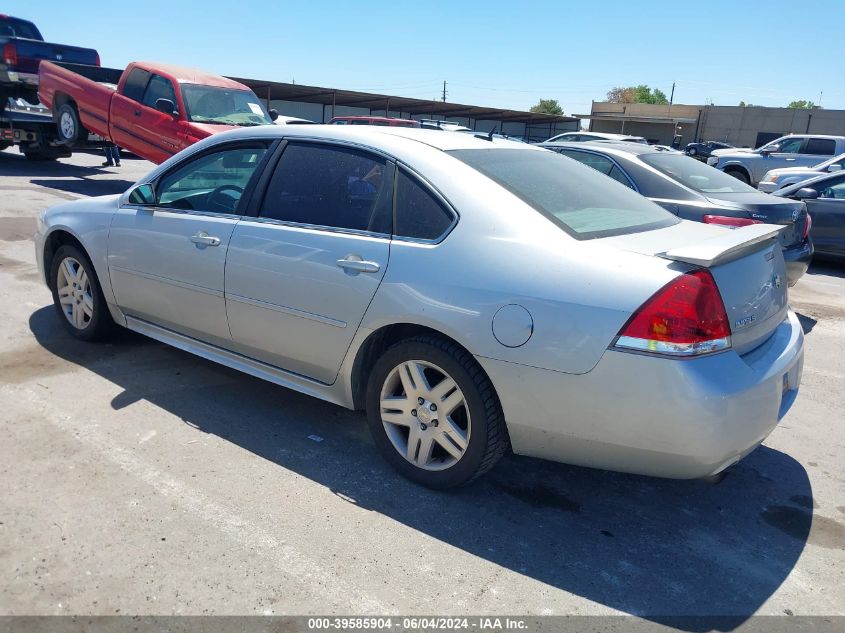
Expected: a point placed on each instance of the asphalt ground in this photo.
(138, 479)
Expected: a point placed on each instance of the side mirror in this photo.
(142, 194)
(833, 168)
(167, 106)
(274, 114)
(770, 149)
(806, 193)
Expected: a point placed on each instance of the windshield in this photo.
(695, 175)
(836, 160)
(583, 202)
(223, 106)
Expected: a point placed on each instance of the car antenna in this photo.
(490, 135)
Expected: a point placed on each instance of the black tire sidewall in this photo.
(99, 322)
(467, 467)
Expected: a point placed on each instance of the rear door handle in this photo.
(354, 264)
(205, 239)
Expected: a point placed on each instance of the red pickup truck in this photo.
(152, 110)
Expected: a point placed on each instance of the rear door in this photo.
(301, 274)
(828, 214)
(817, 150)
(167, 258)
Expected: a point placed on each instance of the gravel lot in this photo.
(139, 479)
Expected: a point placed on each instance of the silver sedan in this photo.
(474, 296)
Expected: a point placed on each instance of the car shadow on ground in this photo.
(653, 548)
(807, 322)
(85, 186)
(828, 267)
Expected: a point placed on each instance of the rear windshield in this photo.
(12, 27)
(695, 174)
(583, 202)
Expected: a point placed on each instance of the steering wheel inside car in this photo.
(218, 201)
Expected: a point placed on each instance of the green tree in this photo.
(801, 105)
(636, 94)
(547, 106)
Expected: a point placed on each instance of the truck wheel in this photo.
(739, 175)
(69, 128)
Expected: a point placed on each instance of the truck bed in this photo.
(90, 87)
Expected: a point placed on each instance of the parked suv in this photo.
(799, 150)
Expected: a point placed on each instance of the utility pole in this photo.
(444, 90)
(672, 96)
(819, 104)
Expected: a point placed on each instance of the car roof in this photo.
(610, 147)
(185, 75)
(377, 137)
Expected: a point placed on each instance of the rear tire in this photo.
(68, 127)
(436, 447)
(77, 295)
(692, 151)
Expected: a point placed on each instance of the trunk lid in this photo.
(746, 263)
(789, 214)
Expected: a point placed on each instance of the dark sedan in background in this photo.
(703, 150)
(695, 191)
(825, 200)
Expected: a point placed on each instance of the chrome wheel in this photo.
(425, 415)
(67, 125)
(74, 291)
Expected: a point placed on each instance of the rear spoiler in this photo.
(731, 245)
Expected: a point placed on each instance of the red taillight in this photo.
(807, 225)
(10, 54)
(725, 220)
(684, 318)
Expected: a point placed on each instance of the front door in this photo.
(301, 274)
(166, 259)
(828, 214)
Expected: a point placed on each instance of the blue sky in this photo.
(492, 53)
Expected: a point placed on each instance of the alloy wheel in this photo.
(425, 415)
(74, 291)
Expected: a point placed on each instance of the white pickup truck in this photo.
(796, 150)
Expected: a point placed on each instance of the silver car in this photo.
(786, 176)
(474, 296)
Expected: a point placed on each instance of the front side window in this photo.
(158, 88)
(331, 186)
(419, 214)
(135, 84)
(214, 182)
(833, 188)
(582, 202)
(790, 145)
(820, 147)
(695, 174)
(223, 106)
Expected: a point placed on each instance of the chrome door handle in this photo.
(353, 264)
(205, 239)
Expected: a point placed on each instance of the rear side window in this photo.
(419, 214)
(579, 200)
(330, 186)
(135, 84)
(820, 147)
(599, 163)
(159, 88)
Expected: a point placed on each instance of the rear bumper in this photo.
(654, 416)
(14, 77)
(798, 260)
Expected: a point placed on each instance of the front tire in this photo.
(433, 413)
(739, 175)
(77, 295)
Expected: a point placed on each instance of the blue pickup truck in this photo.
(23, 48)
(23, 121)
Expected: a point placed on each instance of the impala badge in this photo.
(777, 281)
(744, 321)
